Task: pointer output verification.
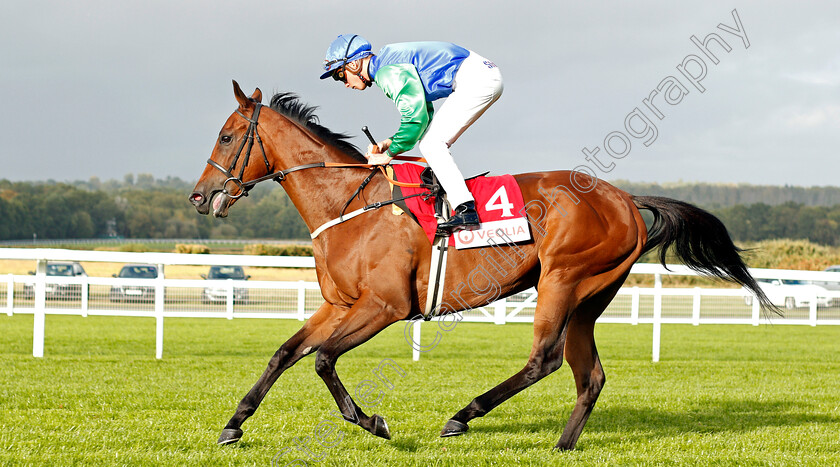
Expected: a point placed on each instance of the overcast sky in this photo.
(107, 88)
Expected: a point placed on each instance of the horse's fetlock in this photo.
(476, 409)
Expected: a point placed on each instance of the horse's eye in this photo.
(225, 139)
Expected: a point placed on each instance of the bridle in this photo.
(251, 135)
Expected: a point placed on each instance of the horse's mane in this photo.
(289, 105)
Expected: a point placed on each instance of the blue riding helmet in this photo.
(345, 48)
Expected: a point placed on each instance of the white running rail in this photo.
(174, 298)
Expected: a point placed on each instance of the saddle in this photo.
(436, 193)
(435, 197)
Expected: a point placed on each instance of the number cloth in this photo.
(497, 198)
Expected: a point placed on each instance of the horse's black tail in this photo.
(700, 241)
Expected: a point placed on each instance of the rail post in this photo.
(229, 298)
(695, 307)
(40, 308)
(10, 295)
(500, 311)
(634, 306)
(159, 297)
(84, 290)
(301, 301)
(415, 337)
(657, 315)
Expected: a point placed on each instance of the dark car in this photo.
(219, 294)
(140, 293)
(60, 291)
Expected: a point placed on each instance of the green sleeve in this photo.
(402, 84)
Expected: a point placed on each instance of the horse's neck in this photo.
(318, 193)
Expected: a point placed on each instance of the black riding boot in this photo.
(465, 217)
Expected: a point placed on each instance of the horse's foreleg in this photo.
(546, 357)
(307, 340)
(582, 356)
(367, 317)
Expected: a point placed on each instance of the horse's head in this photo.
(230, 166)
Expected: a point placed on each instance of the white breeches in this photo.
(477, 85)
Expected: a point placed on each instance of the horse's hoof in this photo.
(453, 428)
(229, 436)
(380, 427)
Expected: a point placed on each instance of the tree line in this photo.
(760, 221)
(723, 195)
(145, 207)
(138, 208)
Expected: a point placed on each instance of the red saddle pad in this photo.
(498, 200)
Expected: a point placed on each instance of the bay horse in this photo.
(373, 270)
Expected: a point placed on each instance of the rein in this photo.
(279, 176)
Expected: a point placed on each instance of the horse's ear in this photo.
(257, 95)
(243, 100)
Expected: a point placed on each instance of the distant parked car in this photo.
(142, 293)
(60, 291)
(219, 294)
(830, 285)
(791, 293)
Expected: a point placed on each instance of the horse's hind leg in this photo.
(553, 309)
(307, 340)
(582, 356)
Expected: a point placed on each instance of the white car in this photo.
(219, 294)
(791, 293)
(830, 285)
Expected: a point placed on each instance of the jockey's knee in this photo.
(431, 147)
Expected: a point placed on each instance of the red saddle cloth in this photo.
(498, 200)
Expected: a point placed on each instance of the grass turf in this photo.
(722, 395)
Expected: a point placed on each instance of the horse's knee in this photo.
(540, 368)
(591, 384)
(279, 358)
(323, 363)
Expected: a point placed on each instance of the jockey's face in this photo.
(353, 81)
(350, 75)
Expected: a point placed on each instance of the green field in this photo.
(722, 395)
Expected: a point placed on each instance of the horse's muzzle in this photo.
(200, 202)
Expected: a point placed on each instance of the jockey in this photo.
(413, 74)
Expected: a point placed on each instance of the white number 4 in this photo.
(499, 201)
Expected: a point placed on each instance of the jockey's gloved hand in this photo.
(376, 153)
(379, 159)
